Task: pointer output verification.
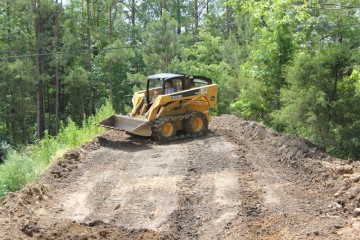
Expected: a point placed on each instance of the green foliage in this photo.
(251, 105)
(262, 74)
(204, 58)
(320, 103)
(78, 93)
(117, 65)
(16, 99)
(162, 45)
(4, 148)
(301, 73)
(137, 80)
(294, 65)
(17, 170)
(24, 165)
(70, 134)
(355, 76)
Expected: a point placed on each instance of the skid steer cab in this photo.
(173, 106)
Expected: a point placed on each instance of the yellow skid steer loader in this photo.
(172, 106)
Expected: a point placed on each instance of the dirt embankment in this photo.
(241, 181)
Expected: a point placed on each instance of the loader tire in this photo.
(197, 124)
(163, 129)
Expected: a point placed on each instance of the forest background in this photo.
(292, 65)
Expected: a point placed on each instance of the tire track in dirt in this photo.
(250, 195)
(289, 208)
(299, 211)
(201, 188)
(241, 181)
(126, 189)
(219, 188)
(184, 222)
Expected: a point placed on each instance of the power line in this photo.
(338, 5)
(68, 52)
(334, 7)
(78, 51)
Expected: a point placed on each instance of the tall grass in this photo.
(22, 166)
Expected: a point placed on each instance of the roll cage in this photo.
(184, 82)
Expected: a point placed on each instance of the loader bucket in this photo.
(132, 125)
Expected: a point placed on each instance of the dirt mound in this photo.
(92, 230)
(318, 167)
(18, 209)
(312, 166)
(241, 181)
(339, 177)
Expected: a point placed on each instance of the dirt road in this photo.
(241, 181)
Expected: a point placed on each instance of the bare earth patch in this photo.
(241, 181)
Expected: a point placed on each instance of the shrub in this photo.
(17, 170)
(22, 166)
(4, 148)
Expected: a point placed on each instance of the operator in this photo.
(169, 87)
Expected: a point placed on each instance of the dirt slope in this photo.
(241, 181)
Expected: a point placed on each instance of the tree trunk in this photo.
(57, 78)
(110, 19)
(196, 19)
(88, 30)
(228, 22)
(111, 84)
(8, 17)
(178, 16)
(133, 22)
(163, 6)
(40, 119)
(24, 128)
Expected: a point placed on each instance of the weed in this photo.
(22, 166)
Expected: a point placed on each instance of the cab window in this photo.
(198, 83)
(177, 84)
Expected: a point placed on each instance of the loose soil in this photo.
(240, 181)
